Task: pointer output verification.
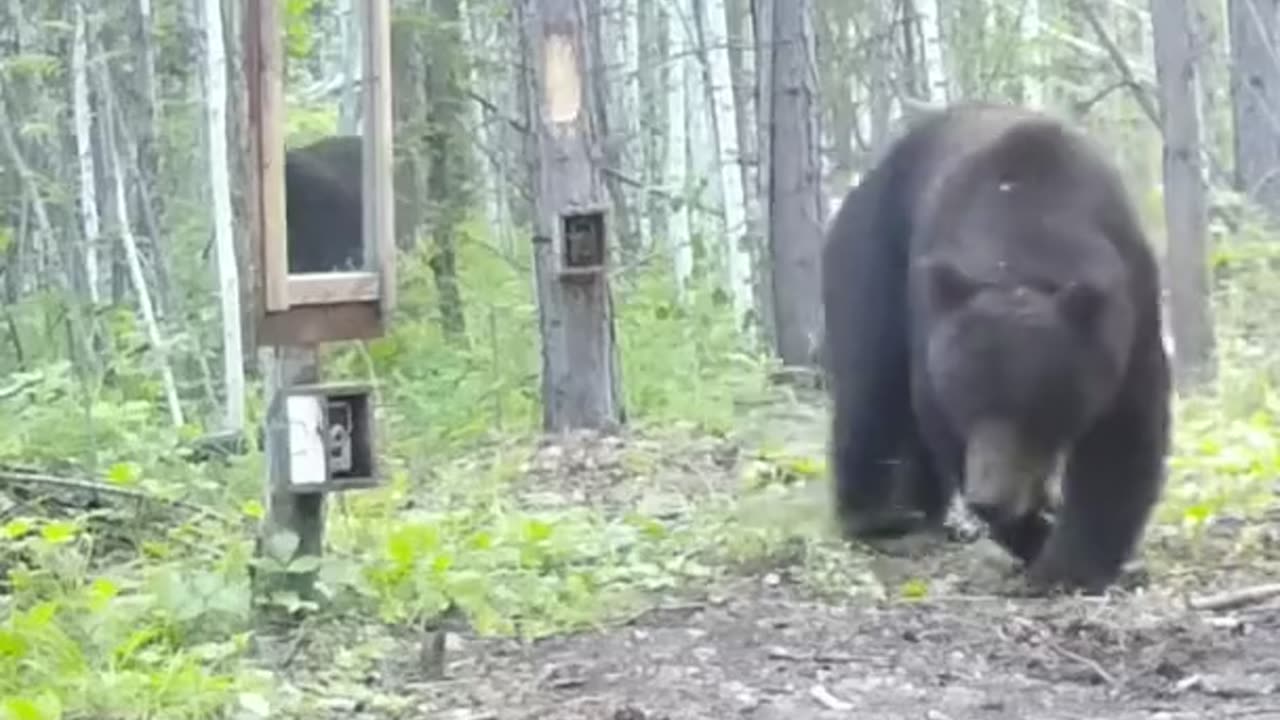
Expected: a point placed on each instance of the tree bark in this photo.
(447, 179)
(580, 369)
(795, 191)
(1185, 207)
(1255, 99)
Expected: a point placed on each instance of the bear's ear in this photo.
(1080, 303)
(946, 285)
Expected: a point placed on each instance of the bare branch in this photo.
(1236, 598)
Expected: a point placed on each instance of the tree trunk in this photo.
(220, 186)
(880, 74)
(580, 369)
(679, 237)
(1185, 208)
(937, 82)
(1255, 99)
(447, 178)
(409, 110)
(652, 48)
(795, 190)
(727, 148)
(742, 68)
(613, 142)
(83, 113)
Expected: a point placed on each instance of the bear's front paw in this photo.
(1052, 573)
(962, 526)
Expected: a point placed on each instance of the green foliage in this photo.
(509, 572)
(124, 609)
(305, 124)
(1227, 450)
(299, 38)
(682, 361)
(444, 393)
(80, 641)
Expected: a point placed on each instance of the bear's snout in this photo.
(1006, 476)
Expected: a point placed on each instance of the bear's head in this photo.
(1020, 368)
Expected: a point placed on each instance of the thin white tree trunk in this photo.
(139, 278)
(931, 38)
(762, 26)
(1029, 29)
(220, 185)
(704, 181)
(84, 152)
(349, 106)
(677, 156)
(149, 64)
(742, 66)
(728, 150)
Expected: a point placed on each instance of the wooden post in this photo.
(299, 513)
(580, 378)
(328, 445)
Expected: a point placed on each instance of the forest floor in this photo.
(769, 641)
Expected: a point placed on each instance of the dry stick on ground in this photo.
(1235, 598)
(19, 477)
(1092, 665)
(829, 701)
(18, 387)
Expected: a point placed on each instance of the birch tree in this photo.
(937, 82)
(1029, 24)
(742, 59)
(133, 257)
(82, 113)
(224, 240)
(712, 17)
(677, 153)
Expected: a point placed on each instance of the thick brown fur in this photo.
(992, 266)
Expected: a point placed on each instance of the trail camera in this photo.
(331, 438)
(582, 242)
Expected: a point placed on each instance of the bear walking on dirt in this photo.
(992, 317)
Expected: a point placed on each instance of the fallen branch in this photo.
(1236, 598)
(829, 701)
(20, 477)
(642, 613)
(18, 387)
(1093, 666)
(781, 653)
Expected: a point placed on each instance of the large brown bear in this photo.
(992, 318)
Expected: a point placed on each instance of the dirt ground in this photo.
(767, 655)
(764, 647)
